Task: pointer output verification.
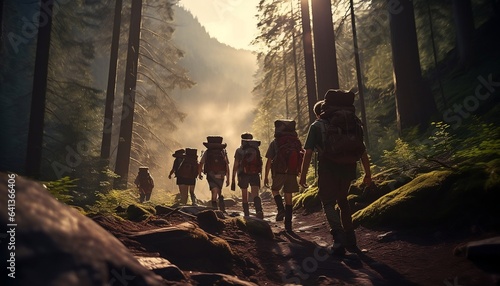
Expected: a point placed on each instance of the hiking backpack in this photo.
(289, 152)
(188, 168)
(251, 161)
(215, 161)
(342, 136)
(342, 130)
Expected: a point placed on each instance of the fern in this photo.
(61, 189)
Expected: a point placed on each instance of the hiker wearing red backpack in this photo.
(284, 160)
(337, 135)
(248, 167)
(215, 165)
(144, 181)
(185, 168)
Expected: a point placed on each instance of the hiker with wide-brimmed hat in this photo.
(185, 168)
(215, 164)
(248, 167)
(144, 181)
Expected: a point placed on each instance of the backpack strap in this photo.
(322, 126)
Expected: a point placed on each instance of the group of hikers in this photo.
(336, 135)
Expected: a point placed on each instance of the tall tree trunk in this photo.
(324, 47)
(110, 93)
(285, 84)
(1, 24)
(38, 96)
(312, 96)
(295, 69)
(464, 30)
(414, 101)
(359, 75)
(127, 120)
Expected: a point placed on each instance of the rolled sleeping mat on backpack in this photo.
(338, 97)
(214, 142)
(284, 127)
(250, 142)
(178, 153)
(191, 152)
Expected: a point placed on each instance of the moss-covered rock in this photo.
(137, 212)
(308, 200)
(437, 197)
(254, 226)
(415, 203)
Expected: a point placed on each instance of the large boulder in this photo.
(50, 243)
(188, 246)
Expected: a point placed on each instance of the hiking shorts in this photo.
(244, 180)
(286, 181)
(215, 180)
(185, 181)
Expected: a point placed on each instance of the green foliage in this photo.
(61, 189)
(138, 212)
(483, 145)
(412, 156)
(106, 203)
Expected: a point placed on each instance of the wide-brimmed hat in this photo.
(246, 135)
(190, 152)
(178, 153)
(339, 97)
(214, 142)
(143, 169)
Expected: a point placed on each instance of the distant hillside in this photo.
(221, 101)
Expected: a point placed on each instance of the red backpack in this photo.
(215, 161)
(289, 151)
(188, 167)
(251, 161)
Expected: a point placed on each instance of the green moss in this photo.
(136, 212)
(254, 227)
(308, 200)
(411, 204)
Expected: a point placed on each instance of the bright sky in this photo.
(232, 22)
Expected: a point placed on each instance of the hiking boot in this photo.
(337, 249)
(259, 215)
(246, 211)
(222, 205)
(288, 218)
(350, 241)
(258, 207)
(214, 204)
(281, 209)
(280, 215)
(193, 200)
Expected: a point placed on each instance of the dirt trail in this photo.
(409, 257)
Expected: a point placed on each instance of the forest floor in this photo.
(416, 256)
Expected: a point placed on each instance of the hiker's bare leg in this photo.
(191, 193)
(183, 189)
(244, 202)
(288, 211)
(215, 194)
